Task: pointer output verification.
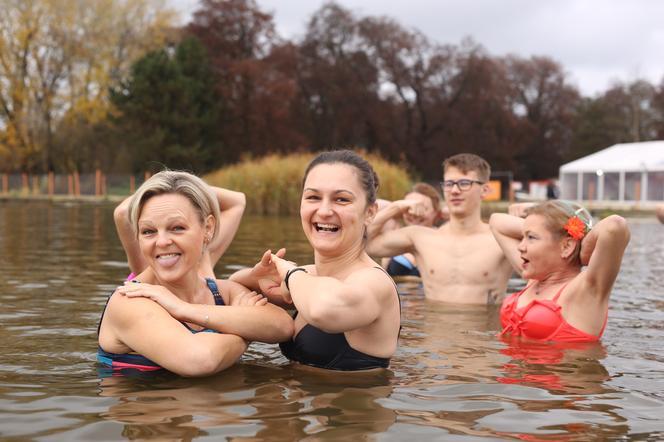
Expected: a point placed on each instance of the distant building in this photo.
(630, 172)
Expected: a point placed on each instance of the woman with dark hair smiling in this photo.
(348, 313)
(549, 247)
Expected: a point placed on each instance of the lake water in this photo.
(451, 379)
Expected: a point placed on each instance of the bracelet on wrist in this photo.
(290, 272)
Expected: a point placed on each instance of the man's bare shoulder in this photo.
(417, 231)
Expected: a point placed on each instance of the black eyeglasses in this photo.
(463, 185)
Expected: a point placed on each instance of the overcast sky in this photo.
(596, 41)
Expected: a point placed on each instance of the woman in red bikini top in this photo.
(548, 248)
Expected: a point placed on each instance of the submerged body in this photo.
(174, 216)
(548, 248)
(465, 267)
(348, 311)
(541, 319)
(122, 361)
(459, 262)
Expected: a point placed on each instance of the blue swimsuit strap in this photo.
(212, 285)
(404, 262)
(218, 300)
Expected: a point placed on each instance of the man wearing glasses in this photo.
(460, 261)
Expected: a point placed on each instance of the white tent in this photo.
(624, 172)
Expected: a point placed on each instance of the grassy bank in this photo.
(273, 183)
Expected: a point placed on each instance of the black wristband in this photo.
(290, 272)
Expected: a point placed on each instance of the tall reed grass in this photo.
(273, 183)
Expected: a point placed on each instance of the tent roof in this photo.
(630, 157)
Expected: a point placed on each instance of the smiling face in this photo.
(427, 218)
(334, 209)
(463, 202)
(171, 235)
(540, 249)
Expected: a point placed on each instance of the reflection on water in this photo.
(452, 377)
(250, 402)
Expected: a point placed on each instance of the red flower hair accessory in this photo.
(576, 228)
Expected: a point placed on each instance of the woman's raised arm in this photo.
(128, 237)
(507, 230)
(232, 205)
(602, 250)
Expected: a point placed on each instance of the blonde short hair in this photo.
(176, 182)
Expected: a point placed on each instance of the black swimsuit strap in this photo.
(396, 288)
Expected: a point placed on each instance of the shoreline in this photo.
(601, 209)
(64, 198)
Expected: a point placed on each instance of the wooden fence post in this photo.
(97, 182)
(51, 183)
(77, 183)
(5, 183)
(35, 184)
(24, 183)
(132, 184)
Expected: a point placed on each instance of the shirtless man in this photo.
(460, 262)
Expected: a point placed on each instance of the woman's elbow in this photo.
(616, 226)
(121, 213)
(318, 314)
(276, 327)
(283, 329)
(205, 361)
(199, 361)
(324, 318)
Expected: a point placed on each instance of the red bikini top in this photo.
(541, 319)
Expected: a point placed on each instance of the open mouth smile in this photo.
(324, 227)
(168, 259)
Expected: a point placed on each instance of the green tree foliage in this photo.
(169, 110)
(57, 60)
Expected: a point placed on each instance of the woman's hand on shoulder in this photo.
(159, 294)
